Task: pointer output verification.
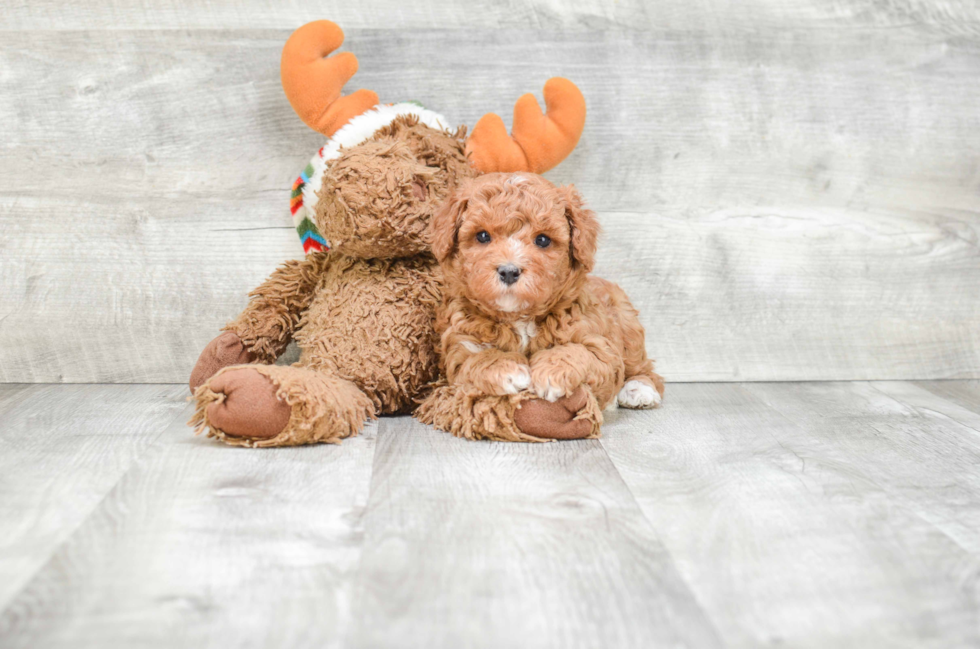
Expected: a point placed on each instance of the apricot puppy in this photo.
(520, 310)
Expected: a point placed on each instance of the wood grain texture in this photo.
(504, 545)
(792, 201)
(201, 544)
(812, 294)
(957, 16)
(738, 515)
(959, 403)
(963, 393)
(809, 497)
(62, 448)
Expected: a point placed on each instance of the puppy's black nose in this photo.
(508, 273)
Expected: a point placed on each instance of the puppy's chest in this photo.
(521, 336)
(526, 331)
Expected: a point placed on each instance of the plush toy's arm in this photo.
(266, 325)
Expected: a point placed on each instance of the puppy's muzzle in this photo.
(508, 273)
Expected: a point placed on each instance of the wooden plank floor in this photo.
(740, 515)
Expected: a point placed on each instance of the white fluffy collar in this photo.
(366, 124)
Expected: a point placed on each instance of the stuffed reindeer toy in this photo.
(361, 304)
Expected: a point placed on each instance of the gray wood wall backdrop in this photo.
(790, 189)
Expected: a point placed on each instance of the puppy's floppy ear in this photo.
(444, 228)
(584, 228)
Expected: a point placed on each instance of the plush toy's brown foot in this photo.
(270, 405)
(465, 412)
(558, 420)
(224, 351)
(250, 407)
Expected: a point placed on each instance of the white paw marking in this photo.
(637, 394)
(549, 392)
(517, 381)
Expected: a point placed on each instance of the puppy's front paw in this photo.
(548, 391)
(507, 377)
(639, 394)
(551, 381)
(517, 380)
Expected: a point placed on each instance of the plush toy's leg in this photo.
(466, 412)
(576, 416)
(270, 405)
(262, 331)
(227, 349)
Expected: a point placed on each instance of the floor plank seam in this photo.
(153, 443)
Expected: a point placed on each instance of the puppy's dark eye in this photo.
(542, 241)
(483, 236)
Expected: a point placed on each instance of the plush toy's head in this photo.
(376, 198)
(372, 189)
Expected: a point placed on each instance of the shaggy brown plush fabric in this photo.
(371, 323)
(369, 203)
(324, 408)
(267, 324)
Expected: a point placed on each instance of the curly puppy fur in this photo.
(520, 311)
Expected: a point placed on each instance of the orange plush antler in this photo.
(313, 83)
(540, 141)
